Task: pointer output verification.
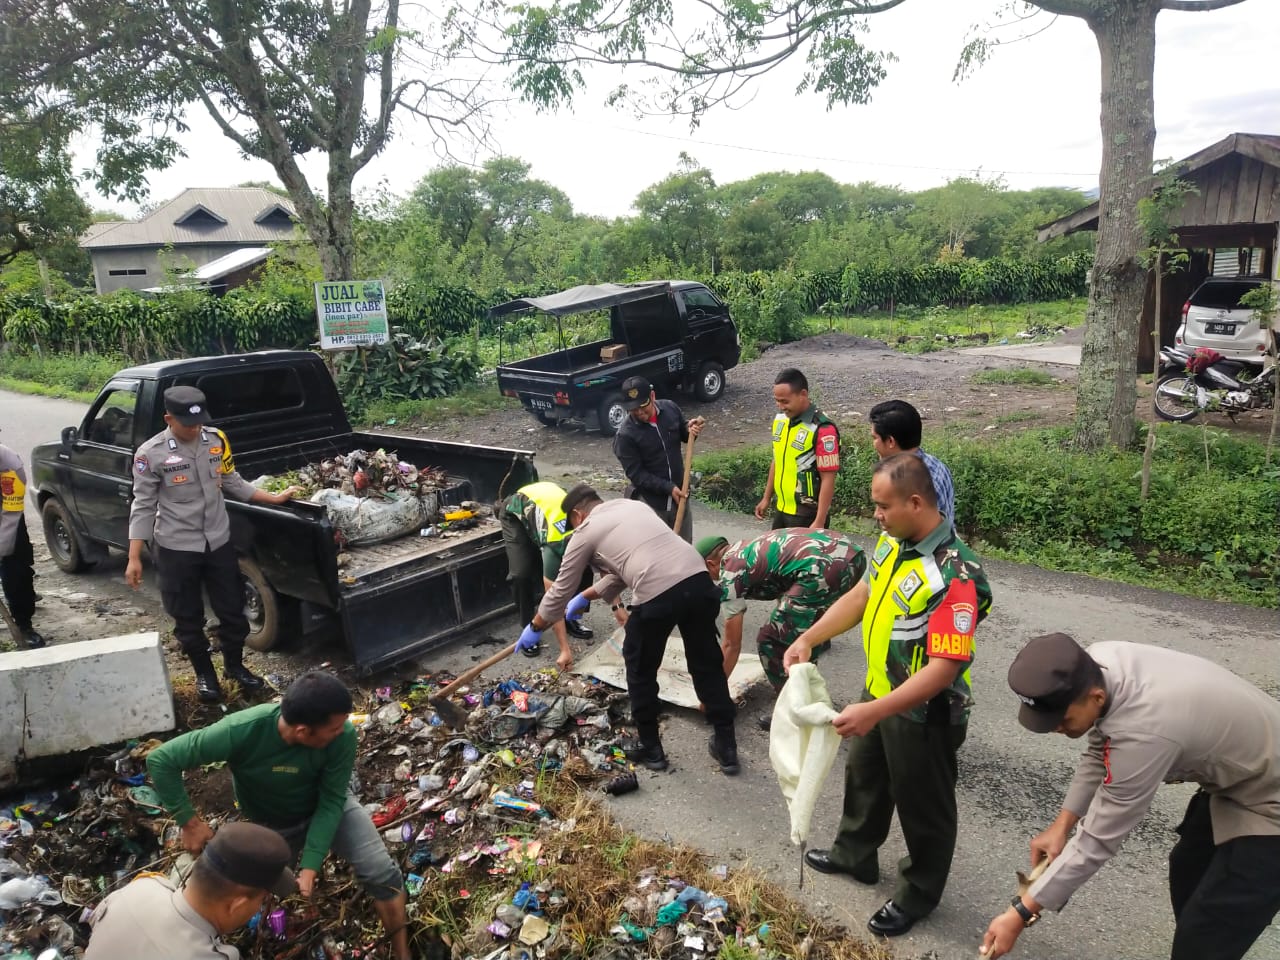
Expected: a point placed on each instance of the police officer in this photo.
(16, 556)
(922, 599)
(151, 919)
(179, 479)
(806, 456)
(1152, 716)
(535, 534)
(648, 447)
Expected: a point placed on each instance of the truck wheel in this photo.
(710, 382)
(62, 540)
(261, 606)
(612, 413)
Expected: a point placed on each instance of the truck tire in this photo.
(61, 538)
(611, 413)
(710, 382)
(261, 606)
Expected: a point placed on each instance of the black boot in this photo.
(234, 669)
(208, 690)
(578, 630)
(723, 747)
(649, 755)
(31, 638)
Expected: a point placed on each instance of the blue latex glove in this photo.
(529, 638)
(576, 608)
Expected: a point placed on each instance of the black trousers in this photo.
(1223, 896)
(19, 577)
(804, 518)
(691, 605)
(912, 767)
(182, 575)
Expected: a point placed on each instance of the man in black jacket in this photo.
(648, 447)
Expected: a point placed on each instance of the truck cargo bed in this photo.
(378, 558)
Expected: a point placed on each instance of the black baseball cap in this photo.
(576, 495)
(252, 856)
(635, 392)
(1049, 674)
(187, 405)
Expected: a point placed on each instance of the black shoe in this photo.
(821, 861)
(724, 752)
(534, 651)
(207, 688)
(650, 756)
(245, 677)
(890, 921)
(31, 639)
(765, 723)
(578, 630)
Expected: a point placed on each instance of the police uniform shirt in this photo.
(150, 920)
(1171, 718)
(13, 488)
(178, 491)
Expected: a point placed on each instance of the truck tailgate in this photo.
(403, 598)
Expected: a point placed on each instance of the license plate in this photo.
(537, 403)
(1226, 329)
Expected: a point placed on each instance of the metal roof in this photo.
(586, 297)
(215, 269)
(243, 208)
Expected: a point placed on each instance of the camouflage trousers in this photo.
(788, 620)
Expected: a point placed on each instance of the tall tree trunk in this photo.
(1107, 389)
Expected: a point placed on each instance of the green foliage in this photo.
(1015, 376)
(1034, 498)
(403, 370)
(62, 373)
(470, 400)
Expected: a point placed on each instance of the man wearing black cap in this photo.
(630, 545)
(648, 447)
(179, 479)
(151, 920)
(1156, 716)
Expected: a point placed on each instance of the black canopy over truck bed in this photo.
(677, 334)
(280, 410)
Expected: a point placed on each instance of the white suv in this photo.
(1214, 318)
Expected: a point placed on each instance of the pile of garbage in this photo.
(371, 496)
(507, 849)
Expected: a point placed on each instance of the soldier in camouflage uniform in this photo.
(922, 599)
(805, 571)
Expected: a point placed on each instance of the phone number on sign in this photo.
(356, 338)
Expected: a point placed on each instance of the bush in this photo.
(82, 374)
(1033, 498)
(404, 369)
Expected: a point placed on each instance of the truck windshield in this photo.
(259, 390)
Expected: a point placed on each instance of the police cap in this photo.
(252, 856)
(1049, 674)
(187, 405)
(635, 392)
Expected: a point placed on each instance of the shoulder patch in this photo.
(141, 464)
(882, 550)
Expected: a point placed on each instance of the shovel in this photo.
(688, 470)
(13, 627)
(450, 712)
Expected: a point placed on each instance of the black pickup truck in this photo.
(281, 410)
(676, 333)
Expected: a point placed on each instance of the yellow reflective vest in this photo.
(553, 525)
(796, 459)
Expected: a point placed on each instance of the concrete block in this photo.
(74, 696)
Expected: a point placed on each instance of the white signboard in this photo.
(352, 313)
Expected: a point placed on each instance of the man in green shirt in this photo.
(290, 765)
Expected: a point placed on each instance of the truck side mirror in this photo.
(69, 436)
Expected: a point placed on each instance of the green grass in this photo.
(1015, 377)
(472, 400)
(1018, 416)
(913, 329)
(58, 374)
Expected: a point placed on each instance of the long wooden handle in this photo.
(469, 675)
(688, 471)
(9, 622)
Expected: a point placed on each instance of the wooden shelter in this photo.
(1237, 208)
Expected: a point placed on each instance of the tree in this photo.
(40, 209)
(741, 40)
(280, 78)
(683, 213)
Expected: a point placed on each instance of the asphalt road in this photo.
(1011, 781)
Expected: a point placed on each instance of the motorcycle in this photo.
(1192, 382)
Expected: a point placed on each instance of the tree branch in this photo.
(1069, 8)
(1197, 6)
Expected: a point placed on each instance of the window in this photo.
(128, 272)
(112, 422)
(200, 216)
(700, 298)
(260, 390)
(1222, 294)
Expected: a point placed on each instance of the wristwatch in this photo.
(1028, 918)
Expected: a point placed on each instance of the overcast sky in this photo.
(1029, 115)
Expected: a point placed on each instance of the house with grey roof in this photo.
(193, 230)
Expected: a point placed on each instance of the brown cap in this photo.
(1049, 674)
(576, 495)
(635, 392)
(187, 405)
(252, 856)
